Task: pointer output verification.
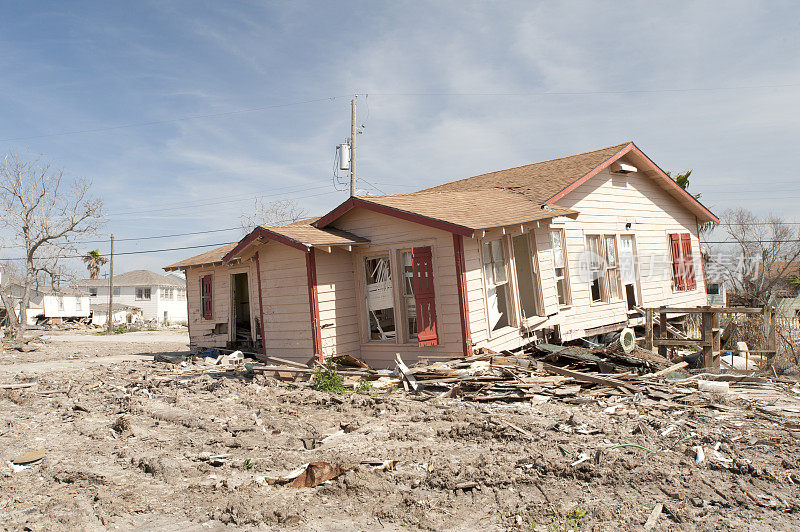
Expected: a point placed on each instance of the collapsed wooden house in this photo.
(560, 249)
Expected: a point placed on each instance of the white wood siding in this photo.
(606, 203)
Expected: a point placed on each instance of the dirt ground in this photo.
(130, 445)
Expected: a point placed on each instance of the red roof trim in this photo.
(352, 203)
(260, 232)
(597, 169)
(627, 149)
(675, 186)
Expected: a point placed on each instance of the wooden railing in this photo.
(710, 330)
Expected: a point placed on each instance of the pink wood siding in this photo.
(386, 232)
(200, 329)
(337, 303)
(287, 318)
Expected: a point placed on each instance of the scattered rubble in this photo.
(531, 440)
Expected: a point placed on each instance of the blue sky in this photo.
(448, 90)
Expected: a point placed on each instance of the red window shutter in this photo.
(206, 298)
(688, 262)
(677, 262)
(422, 272)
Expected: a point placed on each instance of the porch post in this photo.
(463, 303)
(313, 303)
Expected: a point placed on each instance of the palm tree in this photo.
(94, 260)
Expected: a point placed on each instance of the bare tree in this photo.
(760, 254)
(42, 213)
(273, 213)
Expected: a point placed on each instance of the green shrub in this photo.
(327, 379)
(363, 386)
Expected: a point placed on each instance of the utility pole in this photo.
(353, 146)
(111, 288)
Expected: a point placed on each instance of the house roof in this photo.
(213, 256)
(134, 278)
(542, 183)
(103, 307)
(538, 181)
(10, 279)
(461, 211)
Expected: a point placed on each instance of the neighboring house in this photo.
(717, 294)
(46, 302)
(160, 297)
(556, 250)
(126, 314)
(785, 297)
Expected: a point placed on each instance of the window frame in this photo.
(145, 290)
(533, 261)
(92, 291)
(612, 269)
(564, 266)
(378, 254)
(408, 299)
(604, 278)
(510, 309)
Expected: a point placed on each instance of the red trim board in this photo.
(352, 203)
(463, 303)
(261, 307)
(313, 303)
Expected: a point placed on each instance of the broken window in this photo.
(560, 265)
(380, 298)
(206, 294)
(92, 292)
(410, 303)
(494, 269)
(527, 281)
(143, 294)
(612, 267)
(595, 263)
(627, 266)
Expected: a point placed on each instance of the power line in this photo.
(588, 93)
(212, 203)
(130, 252)
(172, 120)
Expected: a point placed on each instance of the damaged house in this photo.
(558, 250)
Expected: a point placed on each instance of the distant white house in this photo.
(126, 314)
(160, 297)
(48, 302)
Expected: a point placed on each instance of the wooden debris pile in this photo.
(540, 371)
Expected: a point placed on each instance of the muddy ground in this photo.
(130, 445)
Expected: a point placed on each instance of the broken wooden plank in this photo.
(667, 371)
(586, 377)
(406, 373)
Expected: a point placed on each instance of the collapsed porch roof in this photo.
(299, 236)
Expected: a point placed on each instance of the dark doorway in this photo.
(242, 333)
